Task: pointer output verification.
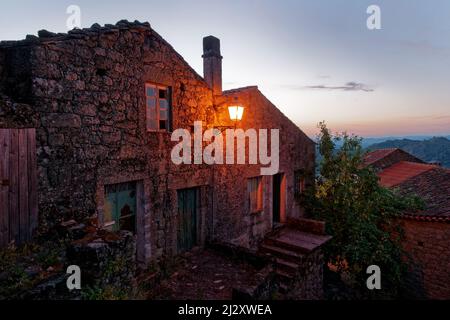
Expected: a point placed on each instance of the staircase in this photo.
(289, 248)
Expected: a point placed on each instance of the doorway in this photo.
(188, 213)
(18, 186)
(121, 206)
(279, 198)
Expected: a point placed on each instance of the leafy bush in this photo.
(359, 213)
(23, 266)
(108, 292)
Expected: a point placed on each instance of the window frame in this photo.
(259, 207)
(157, 111)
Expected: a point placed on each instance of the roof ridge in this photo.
(239, 89)
(45, 35)
(432, 166)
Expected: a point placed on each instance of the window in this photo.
(158, 99)
(120, 206)
(255, 191)
(299, 183)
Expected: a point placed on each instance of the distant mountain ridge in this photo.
(434, 149)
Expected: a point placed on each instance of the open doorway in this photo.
(279, 198)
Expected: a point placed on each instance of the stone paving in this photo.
(207, 275)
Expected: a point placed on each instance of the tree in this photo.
(359, 213)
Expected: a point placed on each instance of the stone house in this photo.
(103, 102)
(427, 232)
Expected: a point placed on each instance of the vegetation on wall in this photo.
(23, 267)
(359, 214)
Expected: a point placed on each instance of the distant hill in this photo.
(368, 141)
(434, 149)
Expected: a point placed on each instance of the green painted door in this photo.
(188, 204)
(120, 206)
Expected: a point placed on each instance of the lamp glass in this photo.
(236, 112)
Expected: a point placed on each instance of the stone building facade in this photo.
(426, 232)
(85, 93)
(428, 246)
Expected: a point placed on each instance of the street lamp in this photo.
(236, 113)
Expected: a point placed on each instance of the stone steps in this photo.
(297, 241)
(286, 266)
(285, 254)
(289, 248)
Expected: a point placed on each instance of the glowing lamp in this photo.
(236, 113)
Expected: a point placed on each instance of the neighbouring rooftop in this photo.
(412, 176)
(402, 171)
(377, 155)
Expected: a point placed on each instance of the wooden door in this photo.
(18, 185)
(188, 212)
(121, 206)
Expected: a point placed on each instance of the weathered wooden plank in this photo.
(14, 186)
(5, 140)
(23, 186)
(32, 180)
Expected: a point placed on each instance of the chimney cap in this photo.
(211, 47)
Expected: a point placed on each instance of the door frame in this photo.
(143, 252)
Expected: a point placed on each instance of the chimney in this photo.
(212, 64)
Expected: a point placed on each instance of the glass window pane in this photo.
(163, 114)
(151, 118)
(151, 102)
(151, 91)
(163, 104)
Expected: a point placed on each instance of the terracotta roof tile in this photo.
(376, 155)
(402, 171)
(433, 186)
(384, 158)
(429, 182)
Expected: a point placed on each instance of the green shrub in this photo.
(359, 214)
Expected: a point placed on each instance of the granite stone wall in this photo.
(308, 284)
(296, 152)
(427, 244)
(86, 90)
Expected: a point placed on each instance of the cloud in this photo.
(349, 86)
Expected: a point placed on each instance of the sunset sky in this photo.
(316, 59)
